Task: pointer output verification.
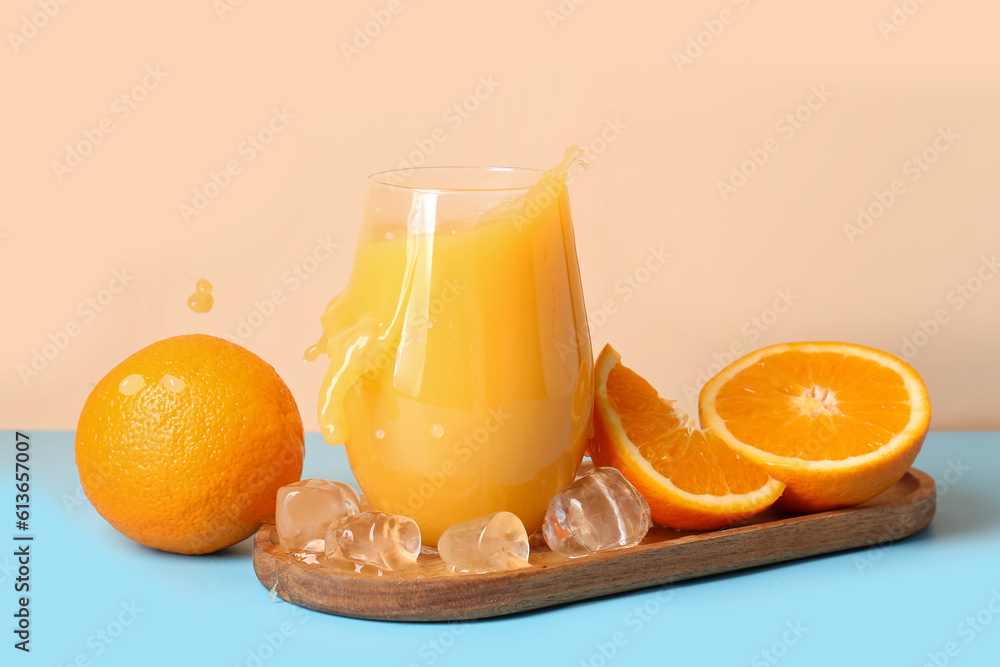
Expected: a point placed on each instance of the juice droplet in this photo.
(437, 430)
(312, 354)
(174, 384)
(131, 384)
(202, 300)
(379, 434)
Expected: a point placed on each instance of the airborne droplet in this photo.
(202, 300)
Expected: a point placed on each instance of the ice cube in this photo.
(600, 510)
(388, 541)
(305, 510)
(495, 542)
(536, 540)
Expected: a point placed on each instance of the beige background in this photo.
(891, 83)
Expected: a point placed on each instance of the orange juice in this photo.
(460, 372)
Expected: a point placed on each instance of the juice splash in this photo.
(460, 372)
(202, 300)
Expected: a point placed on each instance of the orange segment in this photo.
(838, 423)
(689, 477)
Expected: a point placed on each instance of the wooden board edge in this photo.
(607, 573)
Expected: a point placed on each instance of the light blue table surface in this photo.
(99, 599)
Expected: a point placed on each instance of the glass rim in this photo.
(385, 178)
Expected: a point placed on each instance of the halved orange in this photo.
(837, 423)
(690, 478)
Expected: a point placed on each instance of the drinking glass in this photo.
(461, 369)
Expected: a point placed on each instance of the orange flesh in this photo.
(694, 460)
(824, 406)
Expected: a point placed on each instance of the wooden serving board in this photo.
(430, 592)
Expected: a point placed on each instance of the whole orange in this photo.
(183, 446)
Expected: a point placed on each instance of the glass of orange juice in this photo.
(460, 374)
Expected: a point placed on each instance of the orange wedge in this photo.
(837, 423)
(690, 478)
